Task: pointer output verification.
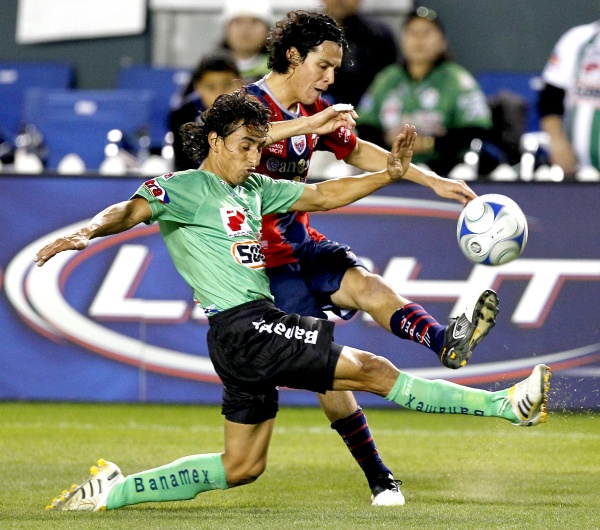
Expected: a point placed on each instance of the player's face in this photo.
(422, 41)
(311, 78)
(239, 154)
(212, 84)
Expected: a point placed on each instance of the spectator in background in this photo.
(371, 47)
(246, 24)
(569, 103)
(215, 75)
(427, 89)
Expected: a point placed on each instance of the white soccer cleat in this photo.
(387, 493)
(92, 495)
(529, 397)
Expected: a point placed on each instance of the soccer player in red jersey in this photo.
(309, 273)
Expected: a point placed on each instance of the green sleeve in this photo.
(276, 195)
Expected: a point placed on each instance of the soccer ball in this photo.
(492, 230)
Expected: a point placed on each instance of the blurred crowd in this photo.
(462, 131)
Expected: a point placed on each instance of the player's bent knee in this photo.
(377, 371)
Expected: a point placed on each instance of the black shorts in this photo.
(305, 287)
(256, 347)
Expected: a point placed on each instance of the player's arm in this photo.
(551, 109)
(113, 220)
(324, 122)
(339, 192)
(371, 157)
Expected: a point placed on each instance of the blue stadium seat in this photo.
(165, 83)
(78, 121)
(18, 77)
(525, 84)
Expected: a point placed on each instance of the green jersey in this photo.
(447, 98)
(213, 231)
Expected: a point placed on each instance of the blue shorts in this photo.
(305, 287)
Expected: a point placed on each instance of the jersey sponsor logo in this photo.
(277, 148)
(157, 191)
(235, 222)
(299, 143)
(272, 164)
(291, 168)
(295, 332)
(590, 65)
(248, 254)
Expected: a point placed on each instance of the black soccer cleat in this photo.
(462, 335)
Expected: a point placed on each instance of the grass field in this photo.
(458, 472)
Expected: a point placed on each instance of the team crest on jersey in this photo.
(157, 191)
(235, 222)
(299, 143)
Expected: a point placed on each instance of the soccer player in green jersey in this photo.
(210, 220)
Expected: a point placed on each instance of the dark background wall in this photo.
(484, 35)
(509, 34)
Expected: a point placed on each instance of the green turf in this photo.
(458, 472)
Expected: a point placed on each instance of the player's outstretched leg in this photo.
(523, 404)
(107, 488)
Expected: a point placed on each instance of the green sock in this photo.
(177, 481)
(443, 397)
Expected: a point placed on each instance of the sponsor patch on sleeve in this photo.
(157, 191)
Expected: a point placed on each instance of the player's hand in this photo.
(76, 241)
(332, 118)
(456, 190)
(402, 152)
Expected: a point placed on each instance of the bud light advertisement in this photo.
(115, 322)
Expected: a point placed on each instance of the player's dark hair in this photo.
(228, 113)
(303, 30)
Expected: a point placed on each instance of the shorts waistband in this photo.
(228, 313)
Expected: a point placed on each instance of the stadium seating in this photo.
(165, 84)
(18, 77)
(78, 121)
(525, 84)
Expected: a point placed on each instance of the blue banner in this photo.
(115, 322)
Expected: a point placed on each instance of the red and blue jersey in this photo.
(285, 235)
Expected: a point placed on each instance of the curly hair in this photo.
(228, 113)
(303, 30)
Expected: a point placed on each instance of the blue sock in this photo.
(414, 323)
(355, 432)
